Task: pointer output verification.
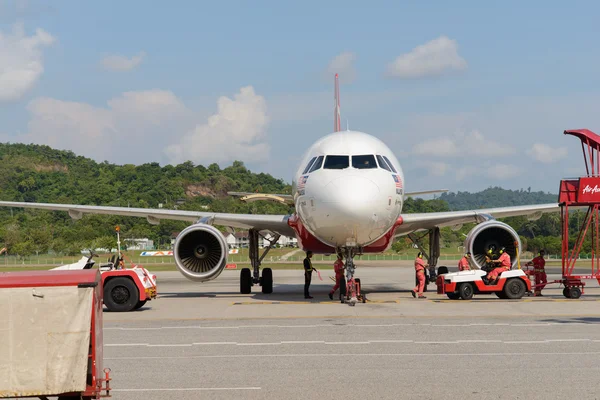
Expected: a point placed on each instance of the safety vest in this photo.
(310, 268)
(463, 264)
(338, 268)
(505, 260)
(419, 265)
(539, 264)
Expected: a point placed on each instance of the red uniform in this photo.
(539, 272)
(504, 266)
(420, 271)
(463, 264)
(338, 268)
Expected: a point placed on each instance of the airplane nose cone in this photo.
(352, 194)
(347, 211)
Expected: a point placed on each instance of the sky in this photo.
(467, 95)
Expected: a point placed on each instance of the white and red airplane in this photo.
(348, 194)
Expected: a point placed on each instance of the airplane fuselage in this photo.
(348, 191)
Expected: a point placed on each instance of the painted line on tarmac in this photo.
(354, 354)
(341, 317)
(367, 342)
(184, 389)
(237, 327)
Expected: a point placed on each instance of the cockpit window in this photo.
(383, 164)
(364, 162)
(317, 164)
(336, 162)
(310, 163)
(390, 164)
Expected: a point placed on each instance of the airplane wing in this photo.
(410, 194)
(274, 223)
(423, 221)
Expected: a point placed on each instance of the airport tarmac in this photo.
(208, 341)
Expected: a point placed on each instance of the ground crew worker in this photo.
(539, 272)
(463, 264)
(489, 256)
(308, 270)
(505, 264)
(338, 268)
(420, 266)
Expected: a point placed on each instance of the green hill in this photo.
(35, 173)
(496, 197)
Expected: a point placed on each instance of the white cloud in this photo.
(473, 144)
(122, 63)
(343, 64)
(152, 126)
(236, 131)
(487, 172)
(134, 128)
(502, 171)
(21, 61)
(429, 59)
(547, 154)
(437, 168)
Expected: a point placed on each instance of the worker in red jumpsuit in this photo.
(505, 264)
(463, 264)
(539, 272)
(420, 266)
(338, 268)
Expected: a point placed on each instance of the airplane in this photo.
(348, 193)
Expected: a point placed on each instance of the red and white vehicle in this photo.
(512, 284)
(125, 289)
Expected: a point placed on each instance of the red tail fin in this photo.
(336, 115)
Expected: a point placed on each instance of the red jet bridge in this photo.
(583, 192)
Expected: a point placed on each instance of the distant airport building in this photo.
(139, 244)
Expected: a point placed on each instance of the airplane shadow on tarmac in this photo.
(283, 293)
(579, 320)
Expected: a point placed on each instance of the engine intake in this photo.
(492, 232)
(200, 252)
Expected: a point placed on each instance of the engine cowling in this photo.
(492, 232)
(200, 252)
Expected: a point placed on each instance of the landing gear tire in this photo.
(442, 270)
(465, 291)
(267, 281)
(514, 288)
(245, 281)
(567, 293)
(453, 296)
(121, 294)
(574, 293)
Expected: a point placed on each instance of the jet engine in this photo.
(200, 252)
(492, 233)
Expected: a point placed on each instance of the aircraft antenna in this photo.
(336, 115)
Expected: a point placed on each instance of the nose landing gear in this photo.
(353, 293)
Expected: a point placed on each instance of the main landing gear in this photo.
(250, 278)
(353, 293)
